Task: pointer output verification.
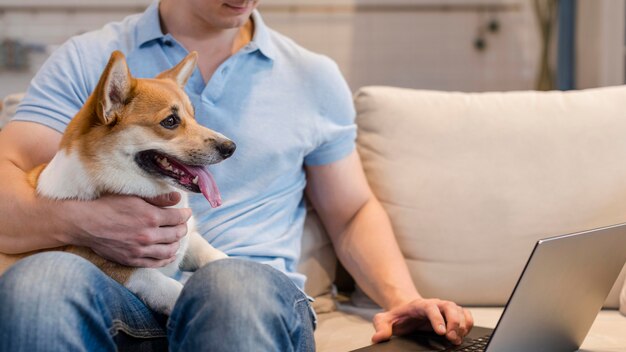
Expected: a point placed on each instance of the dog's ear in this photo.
(113, 88)
(182, 71)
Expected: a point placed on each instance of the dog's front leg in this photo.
(156, 290)
(199, 253)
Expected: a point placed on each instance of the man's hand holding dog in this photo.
(131, 230)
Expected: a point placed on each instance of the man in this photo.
(291, 115)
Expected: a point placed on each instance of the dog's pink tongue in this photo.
(208, 187)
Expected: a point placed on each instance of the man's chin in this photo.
(235, 22)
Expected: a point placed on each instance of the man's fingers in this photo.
(173, 217)
(463, 324)
(469, 320)
(161, 251)
(453, 321)
(170, 234)
(436, 319)
(137, 262)
(151, 263)
(446, 318)
(383, 326)
(165, 200)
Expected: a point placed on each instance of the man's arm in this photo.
(126, 229)
(365, 244)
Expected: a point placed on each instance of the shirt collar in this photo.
(149, 24)
(149, 28)
(261, 38)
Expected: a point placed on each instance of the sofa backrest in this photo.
(472, 180)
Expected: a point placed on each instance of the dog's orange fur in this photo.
(90, 131)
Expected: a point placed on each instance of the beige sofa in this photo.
(471, 181)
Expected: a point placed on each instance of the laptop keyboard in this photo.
(476, 345)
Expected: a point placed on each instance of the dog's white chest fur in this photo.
(66, 178)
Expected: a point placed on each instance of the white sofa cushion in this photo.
(472, 180)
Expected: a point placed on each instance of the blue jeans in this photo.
(57, 301)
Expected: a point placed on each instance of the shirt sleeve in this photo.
(336, 129)
(57, 91)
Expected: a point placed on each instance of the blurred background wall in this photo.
(467, 45)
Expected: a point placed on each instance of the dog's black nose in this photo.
(226, 149)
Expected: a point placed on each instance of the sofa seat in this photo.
(350, 328)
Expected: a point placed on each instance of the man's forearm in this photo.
(369, 251)
(27, 222)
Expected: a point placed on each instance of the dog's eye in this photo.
(171, 122)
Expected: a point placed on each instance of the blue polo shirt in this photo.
(284, 106)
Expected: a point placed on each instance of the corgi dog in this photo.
(137, 137)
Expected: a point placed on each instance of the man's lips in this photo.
(238, 8)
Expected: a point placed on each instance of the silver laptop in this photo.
(557, 297)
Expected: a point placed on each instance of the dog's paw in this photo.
(156, 290)
(216, 255)
(200, 253)
(165, 297)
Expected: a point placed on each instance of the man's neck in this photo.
(183, 25)
(214, 45)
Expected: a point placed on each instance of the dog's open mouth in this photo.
(195, 178)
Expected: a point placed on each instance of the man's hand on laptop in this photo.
(442, 317)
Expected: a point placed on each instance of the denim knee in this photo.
(229, 280)
(44, 280)
(45, 298)
(241, 304)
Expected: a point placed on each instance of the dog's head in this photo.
(140, 135)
